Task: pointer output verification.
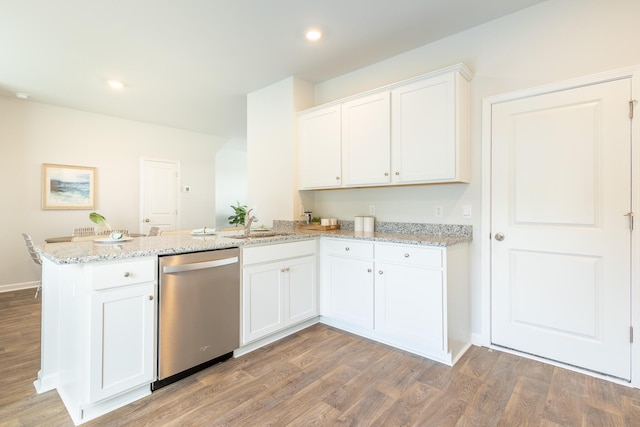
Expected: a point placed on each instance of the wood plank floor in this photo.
(322, 376)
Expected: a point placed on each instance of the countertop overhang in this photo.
(90, 251)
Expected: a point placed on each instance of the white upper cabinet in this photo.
(430, 132)
(411, 132)
(366, 135)
(319, 149)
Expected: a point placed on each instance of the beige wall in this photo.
(33, 133)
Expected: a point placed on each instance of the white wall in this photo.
(553, 41)
(231, 179)
(33, 133)
(271, 149)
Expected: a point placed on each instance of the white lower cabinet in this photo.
(103, 317)
(122, 326)
(412, 297)
(409, 307)
(347, 282)
(278, 287)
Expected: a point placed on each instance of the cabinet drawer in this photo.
(278, 251)
(346, 247)
(415, 255)
(113, 274)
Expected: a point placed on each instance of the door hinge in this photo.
(631, 105)
(631, 334)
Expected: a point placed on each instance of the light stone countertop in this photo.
(89, 251)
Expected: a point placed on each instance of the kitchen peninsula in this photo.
(404, 287)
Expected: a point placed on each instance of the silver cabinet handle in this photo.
(397, 173)
(380, 272)
(150, 297)
(347, 249)
(127, 274)
(386, 174)
(337, 178)
(499, 237)
(406, 255)
(368, 270)
(147, 220)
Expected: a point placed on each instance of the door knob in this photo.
(147, 220)
(499, 237)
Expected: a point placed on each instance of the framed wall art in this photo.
(68, 187)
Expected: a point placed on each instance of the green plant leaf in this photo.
(240, 214)
(95, 217)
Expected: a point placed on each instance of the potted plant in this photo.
(315, 220)
(240, 212)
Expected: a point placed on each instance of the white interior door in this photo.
(159, 195)
(561, 176)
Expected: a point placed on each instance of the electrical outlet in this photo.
(438, 211)
(372, 210)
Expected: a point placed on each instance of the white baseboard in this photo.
(18, 286)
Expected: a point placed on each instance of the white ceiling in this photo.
(189, 63)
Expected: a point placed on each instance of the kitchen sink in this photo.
(260, 234)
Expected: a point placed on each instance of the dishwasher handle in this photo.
(199, 265)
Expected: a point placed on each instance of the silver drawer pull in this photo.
(368, 270)
(380, 272)
(347, 249)
(150, 297)
(406, 255)
(127, 274)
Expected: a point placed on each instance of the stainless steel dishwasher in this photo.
(198, 312)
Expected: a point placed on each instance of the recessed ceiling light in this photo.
(22, 95)
(313, 35)
(115, 84)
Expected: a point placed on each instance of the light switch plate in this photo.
(466, 211)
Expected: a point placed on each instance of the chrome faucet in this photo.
(248, 220)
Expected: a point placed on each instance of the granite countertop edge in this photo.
(89, 251)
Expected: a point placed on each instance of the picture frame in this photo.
(68, 187)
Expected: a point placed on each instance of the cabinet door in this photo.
(319, 144)
(424, 131)
(366, 140)
(301, 289)
(262, 301)
(350, 290)
(122, 343)
(409, 307)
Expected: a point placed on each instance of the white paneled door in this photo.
(560, 248)
(159, 187)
